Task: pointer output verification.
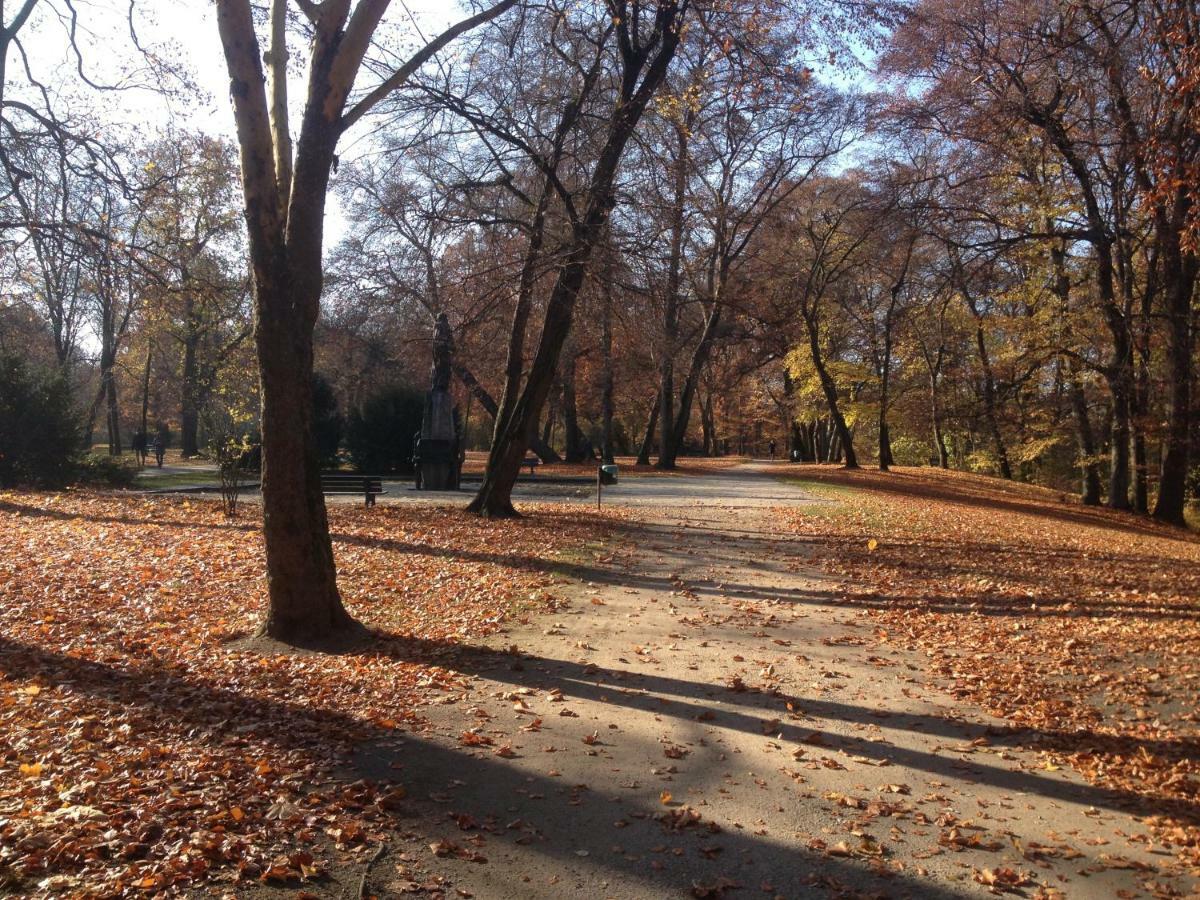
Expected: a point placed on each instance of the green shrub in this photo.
(107, 470)
(379, 435)
(40, 434)
(909, 451)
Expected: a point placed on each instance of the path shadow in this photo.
(487, 788)
(691, 701)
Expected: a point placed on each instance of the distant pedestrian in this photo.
(160, 449)
(772, 446)
(139, 448)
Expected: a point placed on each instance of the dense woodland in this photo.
(929, 234)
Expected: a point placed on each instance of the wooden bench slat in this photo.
(349, 483)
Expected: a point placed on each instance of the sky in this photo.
(183, 32)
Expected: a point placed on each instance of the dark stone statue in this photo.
(443, 353)
(438, 460)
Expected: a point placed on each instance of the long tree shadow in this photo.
(980, 602)
(561, 834)
(967, 603)
(693, 701)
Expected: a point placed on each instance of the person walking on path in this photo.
(139, 448)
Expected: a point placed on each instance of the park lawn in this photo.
(1081, 625)
(146, 749)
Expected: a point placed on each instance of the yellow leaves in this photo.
(872, 545)
(237, 814)
(32, 770)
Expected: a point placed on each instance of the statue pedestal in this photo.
(438, 461)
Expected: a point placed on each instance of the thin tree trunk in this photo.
(146, 389)
(508, 448)
(1087, 442)
(114, 417)
(666, 416)
(939, 439)
(688, 394)
(885, 441)
(606, 362)
(572, 436)
(643, 457)
(829, 388)
(189, 413)
(1172, 487)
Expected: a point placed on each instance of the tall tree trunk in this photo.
(305, 604)
(284, 206)
(1087, 442)
(572, 436)
(829, 388)
(189, 412)
(708, 425)
(114, 417)
(643, 457)
(1120, 387)
(666, 416)
(548, 423)
(1172, 487)
(285, 233)
(508, 448)
(146, 392)
(939, 439)
(1090, 493)
(885, 440)
(1140, 409)
(886, 460)
(687, 396)
(606, 363)
(989, 403)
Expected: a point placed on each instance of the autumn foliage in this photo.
(143, 750)
(1079, 626)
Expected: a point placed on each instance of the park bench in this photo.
(352, 483)
(531, 461)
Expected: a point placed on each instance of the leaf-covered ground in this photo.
(1082, 625)
(141, 752)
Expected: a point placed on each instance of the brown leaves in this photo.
(1002, 879)
(126, 709)
(1078, 624)
(445, 847)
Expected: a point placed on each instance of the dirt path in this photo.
(704, 716)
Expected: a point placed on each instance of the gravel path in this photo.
(705, 719)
